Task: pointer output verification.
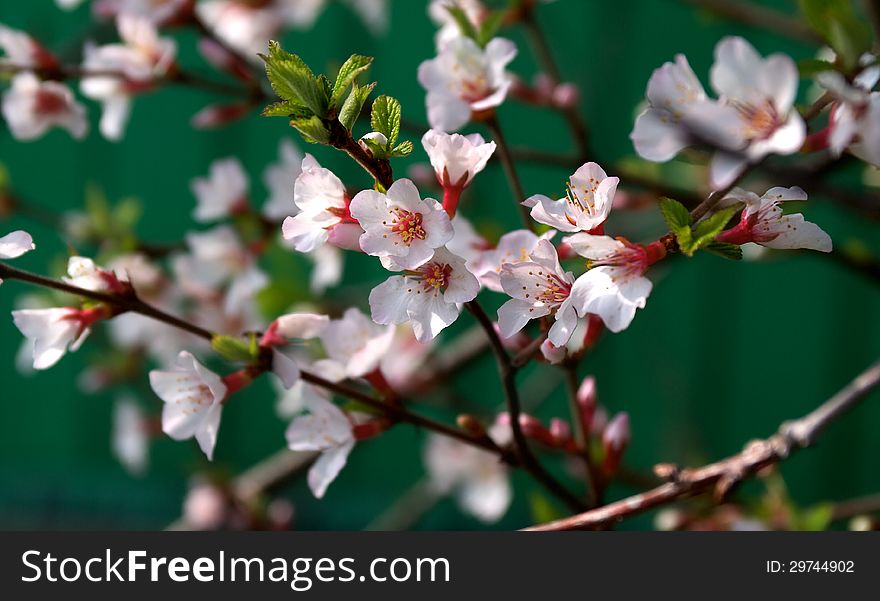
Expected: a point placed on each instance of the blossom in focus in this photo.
(326, 429)
(400, 225)
(464, 79)
(614, 285)
(52, 332)
(323, 210)
(141, 59)
(223, 193)
(588, 200)
(456, 159)
(131, 440)
(31, 107)
(763, 222)
(279, 179)
(356, 342)
(193, 397)
(429, 296)
(479, 481)
(513, 247)
(538, 287)
(15, 244)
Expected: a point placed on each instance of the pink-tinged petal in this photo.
(779, 81)
(345, 236)
(565, 324)
(447, 112)
(404, 194)
(725, 168)
(463, 286)
(657, 135)
(788, 138)
(430, 315)
(389, 300)
(515, 314)
(305, 232)
(792, 231)
(614, 300)
(327, 467)
(317, 189)
(674, 86)
(285, 368)
(301, 325)
(15, 244)
(206, 435)
(550, 212)
(594, 247)
(736, 72)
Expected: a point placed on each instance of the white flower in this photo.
(763, 222)
(53, 332)
(588, 200)
(142, 58)
(614, 286)
(400, 225)
(328, 430)
(15, 244)
(223, 193)
(466, 242)
(763, 91)
(356, 342)
(429, 296)
(322, 205)
(157, 11)
(22, 50)
(279, 179)
(131, 441)
(513, 247)
(538, 287)
(193, 397)
(465, 78)
(82, 272)
(855, 119)
(478, 479)
(456, 159)
(31, 107)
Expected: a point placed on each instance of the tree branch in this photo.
(510, 170)
(761, 17)
(723, 475)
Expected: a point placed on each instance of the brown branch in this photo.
(341, 138)
(761, 17)
(843, 510)
(723, 475)
(510, 170)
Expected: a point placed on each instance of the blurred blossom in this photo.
(205, 507)
(131, 440)
(223, 193)
(31, 107)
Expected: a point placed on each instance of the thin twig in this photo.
(724, 475)
(510, 170)
(582, 434)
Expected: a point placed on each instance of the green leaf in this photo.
(840, 26)
(292, 79)
(312, 129)
(678, 219)
(231, 348)
(403, 149)
(809, 67)
(464, 23)
(354, 104)
(376, 149)
(491, 24)
(816, 518)
(725, 250)
(385, 118)
(705, 231)
(286, 108)
(350, 69)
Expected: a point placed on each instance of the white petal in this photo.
(15, 244)
(327, 467)
(302, 325)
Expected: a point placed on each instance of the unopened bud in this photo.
(377, 137)
(586, 400)
(614, 441)
(553, 354)
(533, 428)
(565, 95)
(561, 431)
(216, 115)
(470, 424)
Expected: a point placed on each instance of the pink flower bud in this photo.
(600, 421)
(205, 507)
(544, 86)
(215, 115)
(553, 354)
(586, 400)
(565, 95)
(614, 441)
(561, 431)
(534, 429)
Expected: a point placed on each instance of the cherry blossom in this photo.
(538, 287)
(193, 397)
(52, 332)
(159, 12)
(131, 440)
(614, 285)
(326, 429)
(223, 193)
(513, 247)
(31, 107)
(356, 342)
(429, 296)
(465, 79)
(15, 244)
(141, 59)
(279, 178)
(323, 206)
(588, 200)
(282, 331)
(466, 242)
(478, 480)
(23, 51)
(82, 272)
(400, 225)
(763, 222)
(855, 118)
(456, 160)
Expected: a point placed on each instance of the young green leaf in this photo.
(403, 149)
(385, 118)
(464, 23)
(725, 250)
(231, 348)
(312, 130)
(678, 219)
(286, 108)
(376, 149)
(491, 24)
(293, 81)
(354, 104)
(840, 26)
(350, 69)
(705, 231)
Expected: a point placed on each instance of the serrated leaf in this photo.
(385, 118)
(354, 104)
(403, 149)
(490, 26)
(292, 79)
(678, 219)
(464, 23)
(725, 250)
(376, 149)
(705, 231)
(231, 348)
(312, 129)
(350, 69)
(286, 108)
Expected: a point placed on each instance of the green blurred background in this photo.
(722, 354)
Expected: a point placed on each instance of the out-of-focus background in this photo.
(722, 354)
